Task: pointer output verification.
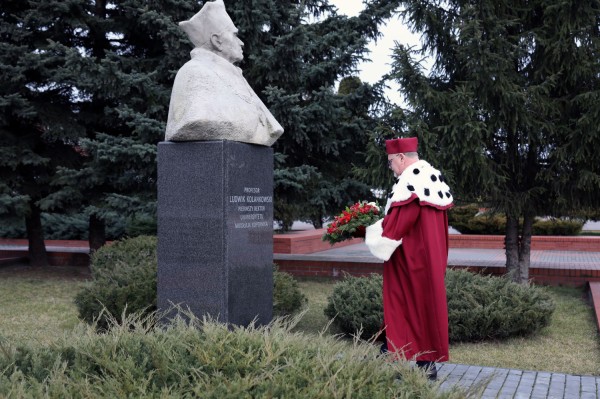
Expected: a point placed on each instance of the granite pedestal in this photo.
(215, 229)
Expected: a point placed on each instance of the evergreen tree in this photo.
(37, 128)
(511, 108)
(132, 51)
(295, 52)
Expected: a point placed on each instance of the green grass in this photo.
(36, 306)
(314, 320)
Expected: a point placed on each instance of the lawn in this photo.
(36, 306)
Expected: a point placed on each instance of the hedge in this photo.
(467, 220)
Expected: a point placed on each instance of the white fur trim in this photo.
(381, 247)
(423, 180)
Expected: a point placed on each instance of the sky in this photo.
(381, 51)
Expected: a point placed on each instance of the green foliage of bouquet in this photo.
(353, 222)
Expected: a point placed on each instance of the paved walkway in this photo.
(467, 257)
(511, 383)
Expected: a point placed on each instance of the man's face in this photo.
(231, 46)
(396, 163)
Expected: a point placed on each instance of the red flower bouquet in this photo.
(352, 222)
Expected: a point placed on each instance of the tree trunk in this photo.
(317, 222)
(525, 249)
(97, 233)
(35, 235)
(511, 242)
(518, 248)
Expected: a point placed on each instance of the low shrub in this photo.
(356, 304)
(141, 225)
(487, 307)
(479, 307)
(460, 215)
(124, 281)
(557, 227)
(208, 360)
(467, 220)
(287, 297)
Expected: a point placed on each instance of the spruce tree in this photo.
(510, 109)
(132, 51)
(295, 53)
(37, 129)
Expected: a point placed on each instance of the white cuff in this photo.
(381, 247)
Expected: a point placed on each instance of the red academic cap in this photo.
(397, 146)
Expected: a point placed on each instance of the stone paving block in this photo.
(460, 369)
(555, 394)
(557, 386)
(588, 395)
(497, 382)
(512, 381)
(588, 384)
(543, 375)
(527, 380)
(446, 385)
(490, 392)
(522, 395)
(572, 385)
(515, 372)
(540, 389)
(509, 388)
(485, 377)
(446, 369)
(571, 394)
(524, 391)
(473, 371)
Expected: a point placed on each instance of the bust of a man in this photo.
(211, 99)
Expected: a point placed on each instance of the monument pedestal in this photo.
(215, 229)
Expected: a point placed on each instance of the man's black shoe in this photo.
(384, 348)
(429, 368)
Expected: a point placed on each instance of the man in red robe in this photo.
(412, 240)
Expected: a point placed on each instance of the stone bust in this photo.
(211, 99)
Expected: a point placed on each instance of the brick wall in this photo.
(309, 241)
(305, 242)
(336, 270)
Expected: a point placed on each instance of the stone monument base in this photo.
(215, 229)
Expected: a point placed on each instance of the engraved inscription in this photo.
(250, 211)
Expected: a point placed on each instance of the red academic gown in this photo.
(414, 294)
